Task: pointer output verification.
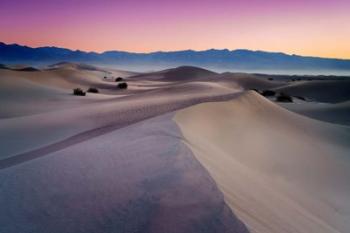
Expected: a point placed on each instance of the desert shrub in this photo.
(105, 77)
(267, 93)
(284, 98)
(270, 79)
(122, 85)
(300, 97)
(31, 69)
(119, 79)
(79, 92)
(93, 90)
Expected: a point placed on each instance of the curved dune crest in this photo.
(280, 172)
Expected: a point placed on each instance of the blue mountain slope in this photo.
(221, 59)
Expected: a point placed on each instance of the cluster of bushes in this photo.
(268, 93)
(300, 97)
(280, 97)
(284, 98)
(81, 92)
(121, 82)
(123, 85)
(93, 90)
(119, 79)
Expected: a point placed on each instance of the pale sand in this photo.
(280, 172)
(21, 97)
(22, 134)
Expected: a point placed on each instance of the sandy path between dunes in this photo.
(279, 171)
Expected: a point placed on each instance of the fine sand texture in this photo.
(280, 172)
(140, 178)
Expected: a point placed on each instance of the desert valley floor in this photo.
(183, 150)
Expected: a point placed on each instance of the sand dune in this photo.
(46, 97)
(69, 76)
(280, 172)
(21, 97)
(17, 133)
(76, 66)
(179, 74)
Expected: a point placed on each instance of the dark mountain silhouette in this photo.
(215, 59)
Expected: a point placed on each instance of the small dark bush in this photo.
(300, 97)
(122, 85)
(93, 90)
(31, 69)
(270, 79)
(267, 93)
(105, 77)
(284, 98)
(119, 79)
(79, 92)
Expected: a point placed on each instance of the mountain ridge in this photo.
(239, 59)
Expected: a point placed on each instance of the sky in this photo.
(304, 27)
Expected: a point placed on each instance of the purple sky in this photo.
(313, 27)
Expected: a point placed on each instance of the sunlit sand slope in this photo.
(280, 172)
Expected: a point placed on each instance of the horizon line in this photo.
(170, 51)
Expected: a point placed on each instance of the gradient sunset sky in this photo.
(305, 27)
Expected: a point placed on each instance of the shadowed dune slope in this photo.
(179, 74)
(2, 66)
(321, 91)
(250, 81)
(78, 66)
(281, 172)
(338, 113)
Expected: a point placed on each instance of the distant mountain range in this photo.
(239, 60)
